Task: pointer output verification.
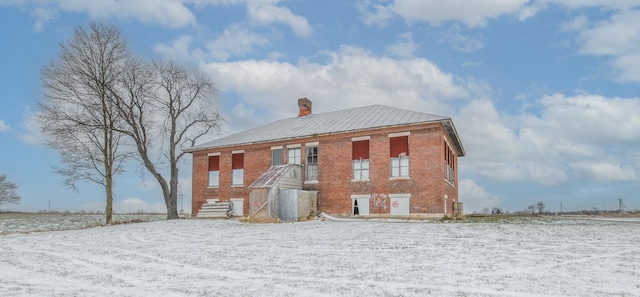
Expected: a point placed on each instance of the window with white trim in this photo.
(214, 171)
(449, 164)
(276, 157)
(360, 159)
(312, 163)
(237, 169)
(399, 155)
(294, 155)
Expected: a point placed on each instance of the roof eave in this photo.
(191, 150)
(451, 129)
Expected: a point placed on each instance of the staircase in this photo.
(216, 210)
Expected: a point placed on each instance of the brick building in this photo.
(369, 161)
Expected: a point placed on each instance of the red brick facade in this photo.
(426, 183)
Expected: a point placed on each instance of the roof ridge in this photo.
(338, 121)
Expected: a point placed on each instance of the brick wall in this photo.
(426, 182)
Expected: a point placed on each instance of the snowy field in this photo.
(541, 257)
(39, 222)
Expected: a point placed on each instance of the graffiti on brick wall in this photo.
(379, 200)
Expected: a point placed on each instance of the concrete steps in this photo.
(216, 210)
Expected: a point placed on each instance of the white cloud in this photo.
(602, 171)
(169, 13)
(345, 80)
(375, 14)
(4, 126)
(32, 130)
(586, 137)
(475, 198)
(405, 47)
(606, 4)
(474, 13)
(235, 40)
(470, 12)
(589, 119)
(42, 16)
(460, 42)
(180, 50)
(134, 205)
(617, 38)
(264, 12)
(578, 23)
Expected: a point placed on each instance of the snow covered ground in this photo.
(39, 222)
(545, 257)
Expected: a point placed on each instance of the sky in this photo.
(543, 93)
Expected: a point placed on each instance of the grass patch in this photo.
(256, 220)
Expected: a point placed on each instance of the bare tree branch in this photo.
(166, 107)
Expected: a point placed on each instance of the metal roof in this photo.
(269, 177)
(347, 120)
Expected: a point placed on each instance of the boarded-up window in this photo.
(400, 206)
(214, 163)
(237, 161)
(399, 146)
(360, 150)
(276, 157)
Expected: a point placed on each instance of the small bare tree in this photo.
(540, 207)
(166, 107)
(8, 191)
(531, 209)
(78, 113)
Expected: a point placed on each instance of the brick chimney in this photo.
(305, 107)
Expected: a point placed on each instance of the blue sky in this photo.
(544, 93)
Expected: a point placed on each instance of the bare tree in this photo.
(8, 191)
(78, 113)
(167, 107)
(531, 209)
(540, 207)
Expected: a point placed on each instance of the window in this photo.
(276, 157)
(237, 167)
(399, 154)
(214, 171)
(449, 164)
(360, 159)
(312, 163)
(400, 166)
(294, 155)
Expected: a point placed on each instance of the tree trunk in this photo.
(172, 201)
(109, 208)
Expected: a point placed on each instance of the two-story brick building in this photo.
(369, 161)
